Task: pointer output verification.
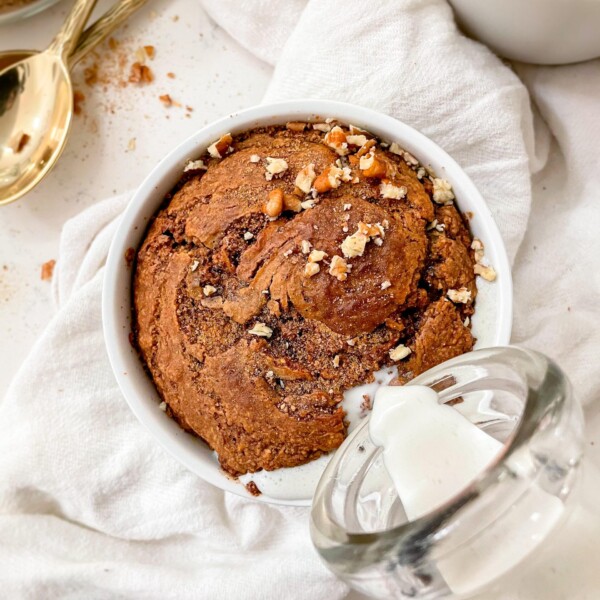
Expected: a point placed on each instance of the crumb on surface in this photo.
(47, 270)
(140, 73)
(129, 256)
(253, 489)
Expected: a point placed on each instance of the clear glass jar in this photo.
(496, 524)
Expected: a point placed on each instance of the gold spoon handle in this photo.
(66, 39)
(103, 27)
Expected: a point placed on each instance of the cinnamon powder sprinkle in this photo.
(90, 74)
(78, 99)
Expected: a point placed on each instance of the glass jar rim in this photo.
(547, 391)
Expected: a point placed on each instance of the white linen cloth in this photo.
(90, 507)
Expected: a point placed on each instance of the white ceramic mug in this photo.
(548, 32)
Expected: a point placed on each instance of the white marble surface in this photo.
(214, 76)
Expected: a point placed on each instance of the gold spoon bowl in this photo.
(36, 98)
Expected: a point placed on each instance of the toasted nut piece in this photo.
(396, 149)
(305, 178)
(371, 166)
(296, 126)
(219, 148)
(339, 268)
(366, 148)
(386, 284)
(336, 361)
(194, 165)
(275, 166)
(389, 190)
(371, 230)
(487, 272)
(311, 269)
(356, 140)
(477, 246)
(209, 290)
(461, 296)
(316, 256)
(291, 202)
(305, 246)
(255, 158)
(336, 139)
(330, 179)
(321, 184)
(325, 127)
(354, 130)
(274, 204)
(399, 352)
(261, 330)
(442, 191)
(407, 156)
(354, 245)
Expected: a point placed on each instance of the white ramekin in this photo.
(491, 322)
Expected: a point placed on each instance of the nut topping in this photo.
(487, 272)
(461, 296)
(311, 269)
(261, 330)
(336, 140)
(316, 256)
(275, 166)
(339, 268)
(371, 166)
(389, 190)
(330, 179)
(442, 191)
(305, 178)
(274, 204)
(399, 352)
(356, 140)
(221, 147)
(194, 165)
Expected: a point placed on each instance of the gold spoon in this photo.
(36, 98)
